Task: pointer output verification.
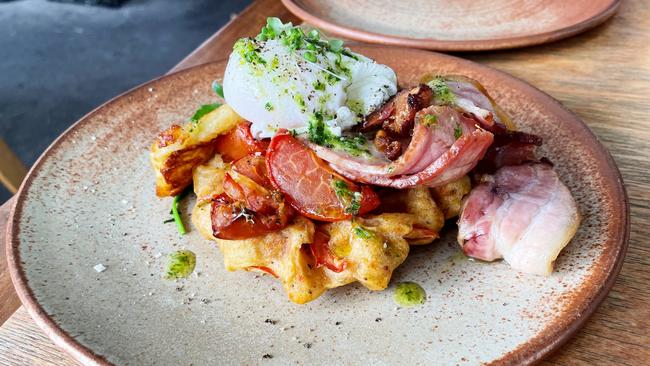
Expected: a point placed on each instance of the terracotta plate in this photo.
(90, 200)
(459, 25)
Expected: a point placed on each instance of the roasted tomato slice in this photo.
(255, 197)
(254, 167)
(311, 186)
(238, 143)
(322, 255)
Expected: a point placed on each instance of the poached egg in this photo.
(287, 79)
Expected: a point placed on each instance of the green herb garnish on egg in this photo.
(300, 101)
(249, 51)
(310, 56)
(318, 85)
(314, 35)
(319, 133)
(273, 28)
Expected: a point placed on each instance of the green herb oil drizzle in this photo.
(181, 264)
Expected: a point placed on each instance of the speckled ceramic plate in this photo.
(90, 199)
(458, 25)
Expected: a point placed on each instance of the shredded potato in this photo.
(178, 150)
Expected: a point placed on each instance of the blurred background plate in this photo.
(459, 25)
(90, 200)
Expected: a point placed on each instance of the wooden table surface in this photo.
(602, 75)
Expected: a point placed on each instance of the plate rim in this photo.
(533, 350)
(451, 45)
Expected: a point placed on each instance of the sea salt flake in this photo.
(99, 268)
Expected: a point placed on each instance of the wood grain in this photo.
(9, 301)
(24, 343)
(12, 170)
(602, 75)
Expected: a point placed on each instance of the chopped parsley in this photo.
(319, 133)
(441, 90)
(362, 232)
(318, 85)
(313, 35)
(355, 205)
(295, 39)
(458, 132)
(275, 62)
(310, 56)
(268, 106)
(335, 45)
(341, 188)
(331, 76)
(429, 120)
(218, 88)
(350, 200)
(273, 28)
(356, 106)
(249, 51)
(203, 110)
(300, 101)
(341, 66)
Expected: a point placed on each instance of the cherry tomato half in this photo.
(238, 143)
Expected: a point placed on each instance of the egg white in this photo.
(286, 91)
